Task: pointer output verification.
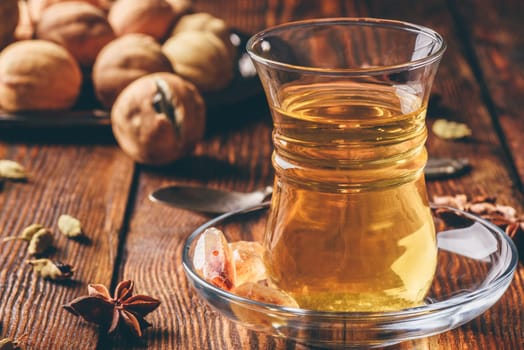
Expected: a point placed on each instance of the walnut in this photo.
(158, 118)
(200, 57)
(106, 4)
(78, 26)
(181, 6)
(202, 21)
(25, 28)
(152, 17)
(38, 75)
(124, 60)
(37, 7)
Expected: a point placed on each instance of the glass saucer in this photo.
(476, 263)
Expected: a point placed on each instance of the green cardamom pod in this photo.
(51, 270)
(11, 344)
(450, 130)
(8, 344)
(70, 226)
(27, 233)
(41, 241)
(11, 170)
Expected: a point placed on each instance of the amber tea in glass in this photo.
(350, 228)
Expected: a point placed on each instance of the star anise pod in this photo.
(123, 311)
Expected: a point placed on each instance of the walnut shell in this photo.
(38, 75)
(37, 7)
(8, 21)
(181, 6)
(78, 26)
(25, 28)
(200, 57)
(151, 17)
(158, 118)
(202, 21)
(124, 60)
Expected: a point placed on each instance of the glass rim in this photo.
(360, 21)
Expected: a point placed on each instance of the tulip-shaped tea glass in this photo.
(350, 228)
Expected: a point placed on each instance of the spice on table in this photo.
(483, 206)
(70, 226)
(52, 270)
(11, 344)
(41, 241)
(11, 170)
(450, 130)
(27, 233)
(453, 218)
(40, 238)
(515, 230)
(458, 201)
(487, 208)
(8, 344)
(124, 311)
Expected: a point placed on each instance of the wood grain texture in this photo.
(239, 159)
(88, 182)
(249, 164)
(455, 83)
(460, 99)
(497, 53)
(143, 241)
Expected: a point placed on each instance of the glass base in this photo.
(476, 263)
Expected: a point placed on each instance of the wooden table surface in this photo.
(85, 174)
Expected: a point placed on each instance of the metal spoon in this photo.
(441, 168)
(208, 200)
(212, 201)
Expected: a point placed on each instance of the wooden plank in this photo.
(237, 157)
(252, 16)
(461, 100)
(497, 48)
(90, 182)
(234, 158)
(455, 83)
